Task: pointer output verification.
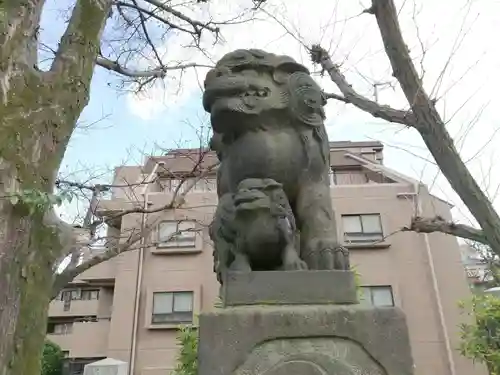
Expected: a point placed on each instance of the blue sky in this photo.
(127, 127)
(109, 134)
(118, 134)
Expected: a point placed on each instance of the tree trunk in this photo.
(25, 279)
(430, 125)
(28, 247)
(38, 113)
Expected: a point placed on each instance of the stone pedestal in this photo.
(301, 323)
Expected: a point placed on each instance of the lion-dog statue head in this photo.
(248, 87)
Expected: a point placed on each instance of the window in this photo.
(177, 234)
(90, 294)
(203, 185)
(362, 228)
(172, 307)
(79, 294)
(60, 328)
(379, 296)
(348, 177)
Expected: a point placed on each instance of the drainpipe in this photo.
(435, 287)
(140, 266)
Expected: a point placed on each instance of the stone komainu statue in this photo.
(268, 121)
(254, 229)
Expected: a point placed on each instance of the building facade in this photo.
(128, 308)
(476, 267)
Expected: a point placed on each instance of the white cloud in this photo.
(461, 29)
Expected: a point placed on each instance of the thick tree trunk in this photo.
(25, 279)
(28, 248)
(13, 239)
(38, 112)
(22, 269)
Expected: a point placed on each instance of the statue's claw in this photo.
(327, 255)
(292, 262)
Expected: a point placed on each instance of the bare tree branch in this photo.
(423, 116)
(146, 35)
(340, 98)
(152, 14)
(320, 56)
(155, 73)
(431, 126)
(65, 277)
(178, 199)
(438, 224)
(197, 25)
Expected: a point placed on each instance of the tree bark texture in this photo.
(38, 113)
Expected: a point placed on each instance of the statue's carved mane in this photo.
(303, 98)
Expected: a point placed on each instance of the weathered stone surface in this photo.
(267, 114)
(293, 287)
(311, 356)
(275, 214)
(305, 340)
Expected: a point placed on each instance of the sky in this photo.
(450, 40)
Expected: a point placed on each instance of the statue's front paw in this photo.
(240, 264)
(341, 258)
(295, 265)
(327, 255)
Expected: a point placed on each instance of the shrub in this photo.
(187, 358)
(480, 339)
(52, 359)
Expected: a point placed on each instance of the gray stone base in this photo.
(290, 287)
(304, 340)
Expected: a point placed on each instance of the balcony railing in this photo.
(86, 339)
(74, 308)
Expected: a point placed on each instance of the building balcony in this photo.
(85, 340)
(74, 308)
(102, 272)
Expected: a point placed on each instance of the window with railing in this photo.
(362, 228)
(79, 294)
(177, 234)
(376, 295)
(171, 185)
(172, 308)
(348, 177)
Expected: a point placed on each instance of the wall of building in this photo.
(426, 287)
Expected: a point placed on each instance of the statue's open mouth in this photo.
(226, 88)
(250, 200)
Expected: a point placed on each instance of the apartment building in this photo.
(477, 268)
(127, 309)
